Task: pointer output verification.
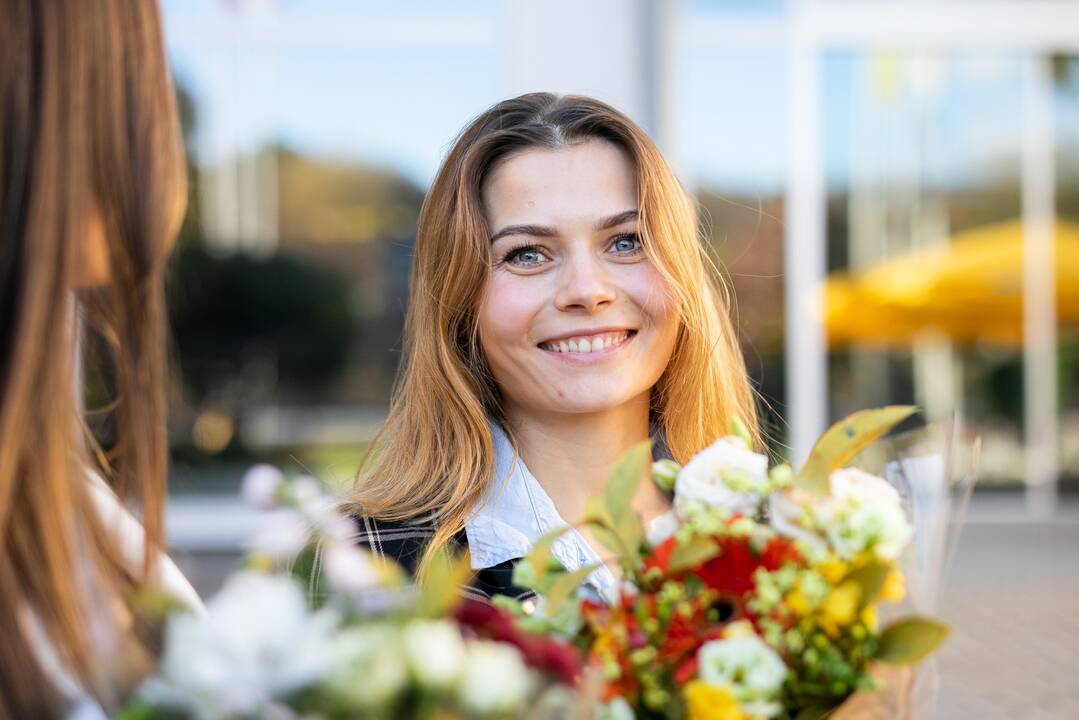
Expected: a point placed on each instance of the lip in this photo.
(588, 358)
(589, 331)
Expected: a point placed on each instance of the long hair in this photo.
(88, 129)
(433, 457)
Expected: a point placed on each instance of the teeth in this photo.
(586, 345)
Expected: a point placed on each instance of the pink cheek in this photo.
(509, 309)
(650, 292)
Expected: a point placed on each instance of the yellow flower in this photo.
(840, 607)
(833, 569)
(708, 702)
(869, 618)
(797, 602)
(895, 587)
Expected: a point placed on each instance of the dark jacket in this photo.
(404, 542)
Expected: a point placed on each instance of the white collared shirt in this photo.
(517, 512)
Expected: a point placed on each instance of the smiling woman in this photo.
(562, 308)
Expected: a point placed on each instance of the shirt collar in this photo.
(517, 511)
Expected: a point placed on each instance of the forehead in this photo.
(575, 183)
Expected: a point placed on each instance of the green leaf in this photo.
(870, 579)
(609, 539)
(910, 640)
(441, 588)
(626, 476)
(692, 553)
(596, 512)
(848, 437)
(740, 430)
(540, 555)
(564, 586)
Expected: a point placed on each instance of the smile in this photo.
(588, 344)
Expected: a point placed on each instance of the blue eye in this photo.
(526, 255)
(627, 244)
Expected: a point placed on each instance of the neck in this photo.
(572, 454)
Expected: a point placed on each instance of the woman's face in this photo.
(574, 318)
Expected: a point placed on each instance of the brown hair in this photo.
(88, 129)
(434, 454)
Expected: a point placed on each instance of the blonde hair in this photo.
(433, 457)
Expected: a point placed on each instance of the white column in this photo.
(804, 244)
(614, 50)
(1041, 426)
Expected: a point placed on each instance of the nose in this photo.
(584, 284)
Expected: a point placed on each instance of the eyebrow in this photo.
(544, 231)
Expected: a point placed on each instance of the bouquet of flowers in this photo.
(757, 596)
(316, 627)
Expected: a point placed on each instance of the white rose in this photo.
(435, 652)
(748, 668)
(260, 486)
(661, 528)
(281, 536)
(367, 667)
(494, 680)
(256, 642)
(349, 569)
(726, 474)
(864, 513)
(791, 514)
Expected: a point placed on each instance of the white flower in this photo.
(260, 486)
(726, 474)
(662, 527)
(349, 569)
(790, 513)
(748, 668)
(864, 513)
(306, 488)
(281, 536)
(367, 668)
(494, 680)
(861, 513)
(256, 642)
(324, 516)
(617, 709)
(435, 652)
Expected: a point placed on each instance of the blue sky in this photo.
(400, 104)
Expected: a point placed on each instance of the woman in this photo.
(562, 308)
(92, 191)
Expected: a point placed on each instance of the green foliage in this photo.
(870, 580)
(693, 552)
(910, 640)
(563, 587)
(440, 591)
(844, 440)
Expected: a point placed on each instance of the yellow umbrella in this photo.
(970, 289)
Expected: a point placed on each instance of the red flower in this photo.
(561, 660)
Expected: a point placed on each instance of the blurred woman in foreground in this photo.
(91, 196)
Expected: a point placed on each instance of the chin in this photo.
(590, 400)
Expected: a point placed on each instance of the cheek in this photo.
(650, 292)
(506, 313)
